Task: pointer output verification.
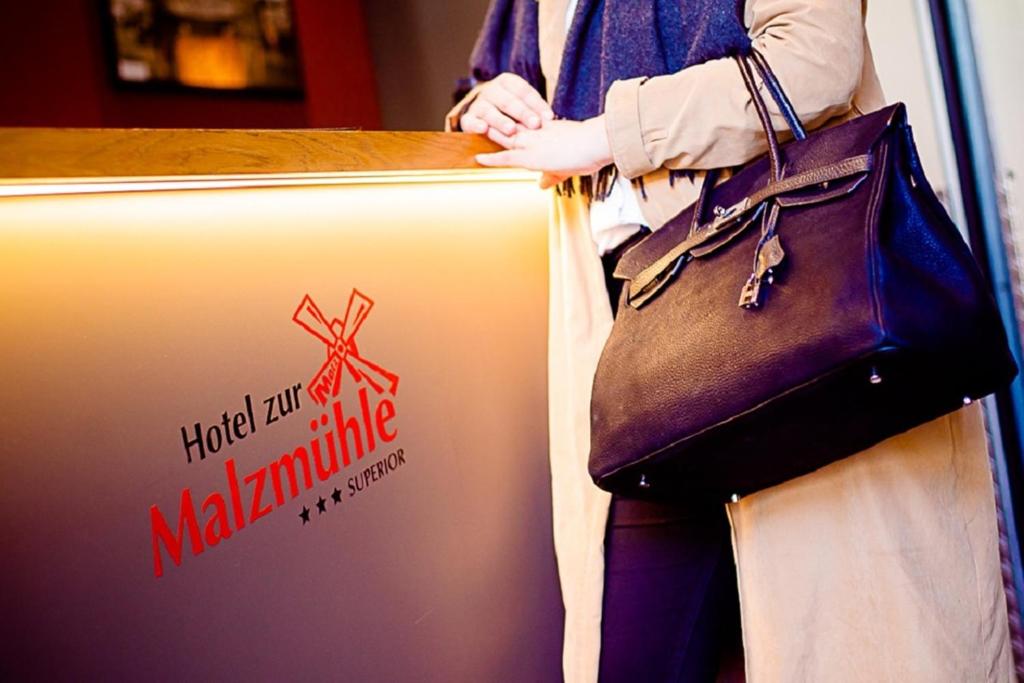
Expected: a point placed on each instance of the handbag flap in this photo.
(822, 148)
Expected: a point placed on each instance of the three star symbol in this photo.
(321, 505)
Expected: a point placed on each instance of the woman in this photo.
(881, 567)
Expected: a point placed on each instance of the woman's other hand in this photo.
(558, 148)
(501, 104)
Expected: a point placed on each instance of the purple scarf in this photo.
(608, 40)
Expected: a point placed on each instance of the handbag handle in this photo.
(778, 94)
(774, 88)
(780, 98)
(774, 150)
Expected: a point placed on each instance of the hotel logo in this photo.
(339, 338)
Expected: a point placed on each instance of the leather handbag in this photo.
(816, 302)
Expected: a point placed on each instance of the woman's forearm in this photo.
(701, 117)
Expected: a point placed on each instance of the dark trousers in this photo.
(671, 609)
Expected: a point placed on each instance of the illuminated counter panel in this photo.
(129, 317)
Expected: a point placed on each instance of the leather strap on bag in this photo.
(650, 281)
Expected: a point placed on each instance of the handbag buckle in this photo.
(727, 215)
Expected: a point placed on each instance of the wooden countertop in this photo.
(89, 153)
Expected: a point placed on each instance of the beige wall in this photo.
(997, 27)
(904, 57)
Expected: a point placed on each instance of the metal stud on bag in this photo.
(875, 378)
(644, 484)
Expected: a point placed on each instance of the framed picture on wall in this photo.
(229, 45)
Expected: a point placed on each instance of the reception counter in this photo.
(273, 408)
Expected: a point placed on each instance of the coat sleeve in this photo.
(702, 117)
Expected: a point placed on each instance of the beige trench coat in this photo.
(881, 567)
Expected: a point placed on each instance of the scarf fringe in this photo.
(595, 187)
(675, 174)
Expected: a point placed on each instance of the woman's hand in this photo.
(558, 148)
(501, 104)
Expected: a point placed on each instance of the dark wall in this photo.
(54, 72)
(420, 48)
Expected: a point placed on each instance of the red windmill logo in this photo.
(339, 336)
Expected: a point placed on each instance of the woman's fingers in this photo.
(508, 157)
(509, 97)
(527, 94)
(492, 116)
(471, 123)
(516, 108)
(506, 141)
(504, 102)
(562, 148)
